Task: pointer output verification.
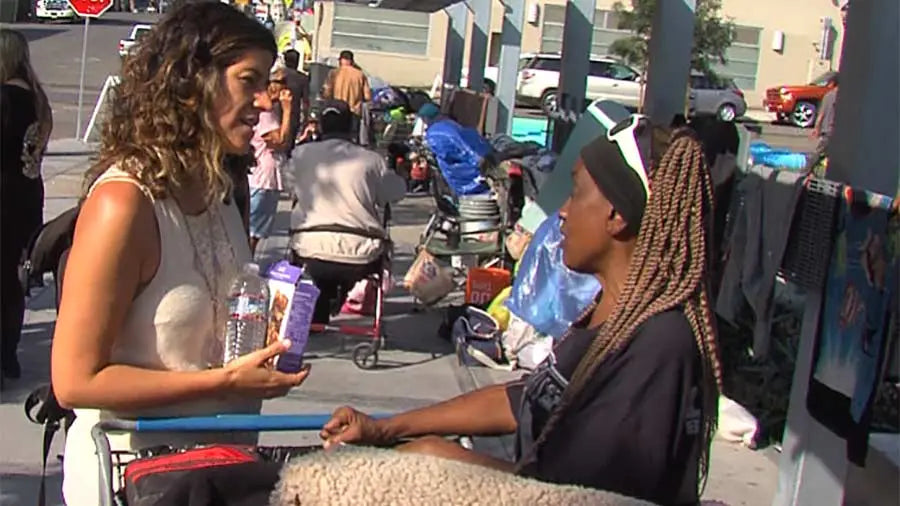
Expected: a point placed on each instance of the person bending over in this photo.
(627, 401)
(339, 188)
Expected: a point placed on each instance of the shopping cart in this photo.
(111, 487)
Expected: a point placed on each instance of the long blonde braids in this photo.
(668, 270)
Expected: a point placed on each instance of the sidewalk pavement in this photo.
(415, 369)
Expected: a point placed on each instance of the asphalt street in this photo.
(56, 56)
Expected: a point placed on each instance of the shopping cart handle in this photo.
(223, 423)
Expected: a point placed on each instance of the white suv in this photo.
(608, 79)
(538, 81)
(45, 10)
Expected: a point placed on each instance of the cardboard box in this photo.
(484, 283)
(292, 302)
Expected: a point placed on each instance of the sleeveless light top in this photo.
(169, 326)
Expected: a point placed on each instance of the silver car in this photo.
(716, 97)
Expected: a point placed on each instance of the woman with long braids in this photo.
(627, 401)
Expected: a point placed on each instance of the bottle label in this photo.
(247, 307)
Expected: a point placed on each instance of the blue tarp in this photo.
(459, 152)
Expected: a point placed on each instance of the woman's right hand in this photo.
(249, 375)
(349, 426)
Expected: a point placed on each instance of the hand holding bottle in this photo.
(250, 376)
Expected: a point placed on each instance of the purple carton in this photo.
(291, 305)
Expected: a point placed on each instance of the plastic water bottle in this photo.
(248, 310)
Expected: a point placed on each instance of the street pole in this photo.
(87, 23)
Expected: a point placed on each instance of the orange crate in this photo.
(483, 284)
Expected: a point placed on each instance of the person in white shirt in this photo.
(340, 189)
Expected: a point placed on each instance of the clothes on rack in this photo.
(756, 247)
(858, 320)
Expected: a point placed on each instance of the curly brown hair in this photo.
(160, 126)
(667, 271)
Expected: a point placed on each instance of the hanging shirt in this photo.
(637, 428)
(265, 175)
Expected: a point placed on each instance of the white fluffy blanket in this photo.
(353, 476)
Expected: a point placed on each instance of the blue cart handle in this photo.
(224, 423)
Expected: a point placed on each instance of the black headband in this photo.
(618, 182)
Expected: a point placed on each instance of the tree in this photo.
(713, 35)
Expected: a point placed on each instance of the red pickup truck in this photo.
(799, 104)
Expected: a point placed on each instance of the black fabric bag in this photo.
(148, 480)
(46, 248)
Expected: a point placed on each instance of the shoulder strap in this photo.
(115, 174)
(41, 407)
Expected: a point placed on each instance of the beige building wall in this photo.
(801, 23)
(397, 69)
(797, 63)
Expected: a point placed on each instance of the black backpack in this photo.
(48, 251)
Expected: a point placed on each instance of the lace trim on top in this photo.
(214, 253)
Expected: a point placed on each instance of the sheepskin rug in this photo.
(356, 476)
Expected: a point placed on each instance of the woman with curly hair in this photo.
(627, 401)
(25, 129)
(142, 317)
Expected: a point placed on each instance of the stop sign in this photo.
(90, 8)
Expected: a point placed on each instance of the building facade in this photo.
(776, 42)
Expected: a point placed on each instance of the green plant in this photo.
(713, 34)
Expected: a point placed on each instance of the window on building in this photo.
(364, 28)
(742, 57)
(606, 30)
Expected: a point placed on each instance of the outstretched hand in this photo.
(250, 375)
(349, 426)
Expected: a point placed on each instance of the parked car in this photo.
(492, 74)
(608, 79)
(538, 81)
(798, 104)
(49, 10)
(138, 32)
(716, 96)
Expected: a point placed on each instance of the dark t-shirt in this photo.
(298, 83)
(637, 428)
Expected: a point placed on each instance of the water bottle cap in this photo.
(251, 268)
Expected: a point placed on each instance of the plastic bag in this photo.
(523, 345)
(427, 280)
(545, 292)
(736, 424)
(497, 308)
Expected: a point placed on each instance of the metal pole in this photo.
(87, 23)
(510, 50)
(578, 34)
(457, 17)
(481, 29)
(669, 67)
